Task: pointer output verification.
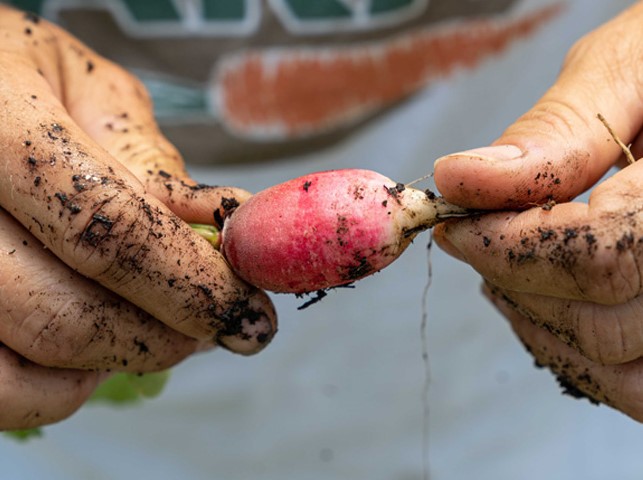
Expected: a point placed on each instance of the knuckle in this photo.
(602, 337)
(609, 58)
(613, 274)
(110, 240)
(52, 336)
(553, 117)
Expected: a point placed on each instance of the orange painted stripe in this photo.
(297, 92)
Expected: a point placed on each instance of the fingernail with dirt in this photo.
(248, 327)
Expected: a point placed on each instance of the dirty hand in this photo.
(98, 268)
(568, 276)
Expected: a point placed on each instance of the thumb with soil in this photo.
(566, 274)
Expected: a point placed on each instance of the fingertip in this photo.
(197, 202)
(508, 177)
(472, 178)
(250, 327)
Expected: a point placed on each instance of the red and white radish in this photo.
(326, 229)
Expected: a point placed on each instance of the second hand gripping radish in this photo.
(327, 229)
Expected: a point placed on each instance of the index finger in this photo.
(113, 107)
(579, 251)
(98, 218)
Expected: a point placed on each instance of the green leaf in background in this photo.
(24, 435)
(119, 389)
(127, 388)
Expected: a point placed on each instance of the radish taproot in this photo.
(326, 229)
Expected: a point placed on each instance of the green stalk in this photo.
(209, 232)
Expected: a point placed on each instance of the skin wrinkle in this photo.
(618, 71)
(617, 262)
(622, 336)
(120, 279)
(639, 273)
(80, 349)
(634, 286)
(53, 317)
(122, 256)
(61, 94)
(18, 322)
(92, 248)
(558, 114)
(628, 340)
(579, 287)
(590, 329)
(77, 244)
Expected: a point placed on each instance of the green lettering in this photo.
(34, 6)
(384, 6)
(152, 10)
(319, 9)
(224, 9)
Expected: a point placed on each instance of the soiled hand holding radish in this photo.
(99, 269)
(125, 284)
(567, 276)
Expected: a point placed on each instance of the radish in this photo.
(326, 229)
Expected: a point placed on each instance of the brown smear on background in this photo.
(298, 92)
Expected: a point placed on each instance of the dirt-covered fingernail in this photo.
(248, 327)
(489, 154)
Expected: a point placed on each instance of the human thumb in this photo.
(559, 148)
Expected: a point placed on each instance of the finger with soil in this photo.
(579, 377)
(589, 252)
(605, 334)
(94, 215)
(54, 317)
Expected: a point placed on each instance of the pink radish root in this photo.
(327, 229)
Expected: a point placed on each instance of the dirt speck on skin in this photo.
(561, 247)
(142, 346)
(32, 17)
(577, 385)
(626, 242)
(228, 206)
(395, 191)
(97, 230)
(569, 234)
(546, 234)
(548, 205)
